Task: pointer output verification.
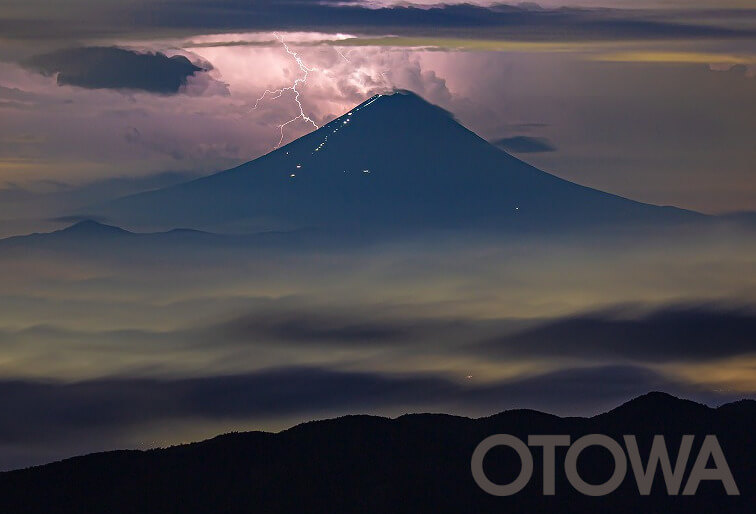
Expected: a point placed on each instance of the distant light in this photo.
(299, 166)
(517, 208)
(350, 114)
(292, 175)
(365, 171)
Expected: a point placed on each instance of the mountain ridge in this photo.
(358, 463)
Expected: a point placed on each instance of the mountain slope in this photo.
(414, 463)
(393, 163)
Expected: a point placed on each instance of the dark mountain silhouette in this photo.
(91, 228)
(415, 463)
(83, 234)
(100, 239)
(394, 163)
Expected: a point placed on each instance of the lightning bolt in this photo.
(277, 93)
(342, 54)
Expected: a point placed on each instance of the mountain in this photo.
(414, 463)
(83, 229)
(98, 238)
(83, 232)
(91, 228)
(394, 163)
(95, 239)
(80, 234)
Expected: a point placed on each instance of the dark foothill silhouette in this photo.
(416, 463)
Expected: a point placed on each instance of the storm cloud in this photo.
(116, 68)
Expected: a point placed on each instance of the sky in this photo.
(653, 101)
(143, 346)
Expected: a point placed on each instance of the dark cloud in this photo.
(509, 22)
(342, 327)
(669, 334)
(493, 21)
(40, 421)
(33, 411)
(524, 144)
(681, 333)
(116, 68)
(307, 326)
(40, 411)
(673, 333)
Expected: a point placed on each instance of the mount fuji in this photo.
(394, 163)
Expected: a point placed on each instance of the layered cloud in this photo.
(454, 19)
(39, 416)
(682, 333)
(40, 411)
(181, 336)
